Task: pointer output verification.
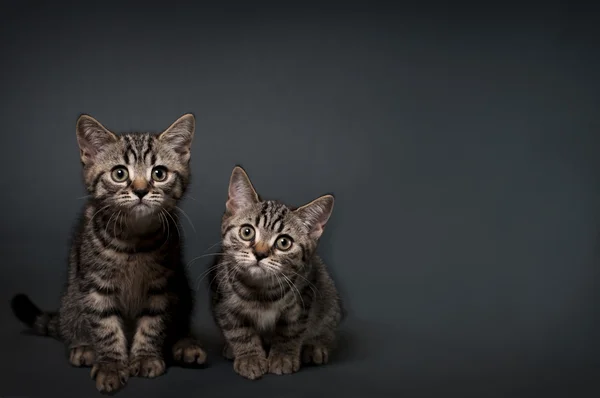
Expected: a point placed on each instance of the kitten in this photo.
(272, 296)
(127, 299)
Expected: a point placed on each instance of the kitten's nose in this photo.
(261, 250)
(140, 187)
(141, 192)
(260, 255)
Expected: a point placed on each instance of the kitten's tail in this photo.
(42, 323)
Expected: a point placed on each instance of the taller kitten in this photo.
(127, 299)
(271, 291)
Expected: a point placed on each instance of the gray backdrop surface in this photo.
(461, 144)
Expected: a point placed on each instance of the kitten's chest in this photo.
(138, 274)
(264, 317)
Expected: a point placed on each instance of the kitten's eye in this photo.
(119, 174)
(247, 232)
(159, 173)
(284, 243)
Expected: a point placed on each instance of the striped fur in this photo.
(127, 301)
(275, 305)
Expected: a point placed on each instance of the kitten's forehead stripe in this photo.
(148, 149)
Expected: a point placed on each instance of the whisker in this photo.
(212, 246)
(310, 284)
(96, 213)
(205, 274)
(292, 286)
(188, 218)
(108, 223)
(121, 222)
(175, 222)
(162, 225)
(204, 255)
(273, 272)
(115, 224)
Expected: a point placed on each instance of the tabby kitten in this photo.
(127, 303)
(272, 296)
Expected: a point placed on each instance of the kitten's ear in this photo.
(316, 214)
(91, 137)
(180, 134)
(241, 191)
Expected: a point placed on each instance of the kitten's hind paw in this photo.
(110, 376)
(251, 366)
(283, 364)
(315, 354)
(228, 352)
(147, 367)
(189, 352)
(82, 356)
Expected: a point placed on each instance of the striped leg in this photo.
(147, 346)
(108, 340)
(284, 356)
(246, 346)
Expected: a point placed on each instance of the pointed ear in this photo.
(241, 191)
(316, 214)
(180, 134)
(91, 137)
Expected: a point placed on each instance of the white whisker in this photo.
(293, 287)
(188, 218)
(115, 224)
(310, 284)
(204, 255)
(212, 246)
(175, 222)
(107, 224)
(96, 213)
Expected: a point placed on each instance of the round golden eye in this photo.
(159, 173)
(284, 243)
(119, 174)
(247, 232)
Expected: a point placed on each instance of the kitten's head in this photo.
(138, 173)
(264, 238)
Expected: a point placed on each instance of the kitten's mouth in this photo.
(257, 271)
(141, 209)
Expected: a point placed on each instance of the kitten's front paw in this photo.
(282, 364)
(316, 354)
(147, 367)
(189, 352)
(251, 367)
(82, 356)
(110, 376)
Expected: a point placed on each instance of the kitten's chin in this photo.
(255, 272)
(142, 215)
(141, 211)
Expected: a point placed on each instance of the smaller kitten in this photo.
(272, 296)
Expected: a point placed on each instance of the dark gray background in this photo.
(461, 143)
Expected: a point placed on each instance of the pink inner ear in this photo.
(230, 206)
(87, 154)
(317, 230)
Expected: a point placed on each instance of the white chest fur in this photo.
(264, 317)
